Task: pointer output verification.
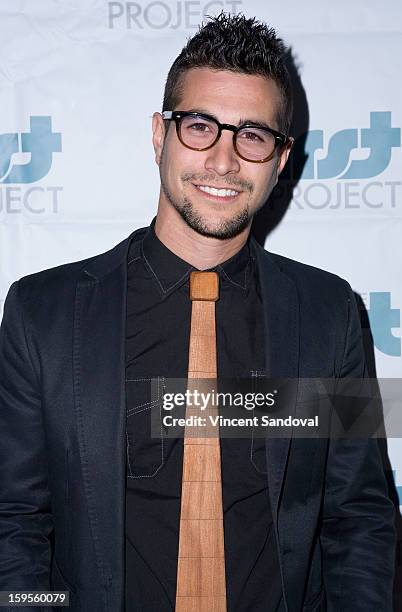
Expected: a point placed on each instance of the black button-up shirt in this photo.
(158, 330)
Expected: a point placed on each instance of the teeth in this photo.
(221, 193)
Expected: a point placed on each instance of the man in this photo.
(90, 502)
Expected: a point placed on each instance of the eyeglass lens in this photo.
(200, 133)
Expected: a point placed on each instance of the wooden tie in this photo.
(201, 580)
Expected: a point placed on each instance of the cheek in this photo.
(263, 179)
(272, 173)
(168, 168)
(180, 162)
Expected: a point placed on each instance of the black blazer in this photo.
(62, 462)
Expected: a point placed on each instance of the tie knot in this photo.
(204, 286)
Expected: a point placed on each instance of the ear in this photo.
(158, 135)
(284, 154)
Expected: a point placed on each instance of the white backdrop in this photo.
(79, 80)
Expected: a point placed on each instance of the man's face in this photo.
(231, 98)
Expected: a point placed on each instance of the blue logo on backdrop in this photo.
(382, 319)
(40, 142)
(379, 138)
(338, 170)
(25, 158)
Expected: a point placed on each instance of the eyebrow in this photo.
(257, 123)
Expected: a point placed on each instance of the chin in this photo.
(222, 229)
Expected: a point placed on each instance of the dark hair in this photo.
(238, 44)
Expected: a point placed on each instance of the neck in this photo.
(202, 252)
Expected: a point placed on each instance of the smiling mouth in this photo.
(219, 193)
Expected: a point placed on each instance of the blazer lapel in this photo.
(99, 391)
(281, 320)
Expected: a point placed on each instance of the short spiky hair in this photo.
(238, 44)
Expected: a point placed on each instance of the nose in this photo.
(222, 158)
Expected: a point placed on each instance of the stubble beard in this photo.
(228, 228)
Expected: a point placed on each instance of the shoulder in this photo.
(310, 282)
(310, 279)
(59, 281)
(322, 296)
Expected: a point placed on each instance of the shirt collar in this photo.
(170, 271)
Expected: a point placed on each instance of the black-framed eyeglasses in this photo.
(199, 132)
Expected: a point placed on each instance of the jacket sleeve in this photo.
(25, 513)
(358, 534)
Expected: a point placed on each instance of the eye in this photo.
(199, 127)
(251, 136)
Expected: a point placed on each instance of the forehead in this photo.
(231, 96)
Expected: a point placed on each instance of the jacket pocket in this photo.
(258, 456)
(144, 432)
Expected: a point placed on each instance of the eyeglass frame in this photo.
(177, 116)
